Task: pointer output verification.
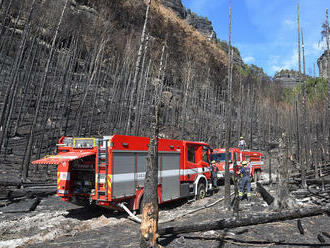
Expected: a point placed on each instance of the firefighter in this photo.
(245, 181)
(214, 170)
(241, 143)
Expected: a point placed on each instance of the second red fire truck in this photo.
(256, 158)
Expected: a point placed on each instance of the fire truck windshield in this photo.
(220, 157)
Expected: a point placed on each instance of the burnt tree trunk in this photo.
(149, 224)
(228, 117)
(328, 73)
(283, 199)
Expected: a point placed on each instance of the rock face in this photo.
(202, 24)
(176, 6)
(322, 63)
(287, 78)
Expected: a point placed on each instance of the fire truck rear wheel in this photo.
(201, 191)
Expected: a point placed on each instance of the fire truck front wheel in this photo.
(201, 191)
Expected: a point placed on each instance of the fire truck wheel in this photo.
(201, 191)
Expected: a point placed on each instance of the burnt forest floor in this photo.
(59, 224)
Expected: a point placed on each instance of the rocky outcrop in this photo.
(322, 63)
(201, 23)
(176, 6)
(287, 78)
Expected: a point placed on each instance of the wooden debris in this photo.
(264, 194)
(300, 227)
(320, 238)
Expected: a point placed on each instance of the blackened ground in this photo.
(61, 224)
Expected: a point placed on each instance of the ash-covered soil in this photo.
(60, 224)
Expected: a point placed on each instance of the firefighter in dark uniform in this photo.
(245, 181)
(214, 171)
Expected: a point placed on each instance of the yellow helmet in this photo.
(244, 163)
(241, 137)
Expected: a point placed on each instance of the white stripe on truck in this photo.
(128, 177)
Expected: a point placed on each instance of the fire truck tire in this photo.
(201, 191)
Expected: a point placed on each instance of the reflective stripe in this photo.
(58, 180)
(128, 177)
(194, 171)
(109, 184)
(257, 163)
(240, 193)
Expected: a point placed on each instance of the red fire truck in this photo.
(111, 170)
(256, 158)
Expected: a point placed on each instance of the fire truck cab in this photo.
(235, 154)
(110, 170)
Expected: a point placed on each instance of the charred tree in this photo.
(228, 117)
(283, 199)
(149, 224)
(328, 73)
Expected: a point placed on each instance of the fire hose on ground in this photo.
(138, 220)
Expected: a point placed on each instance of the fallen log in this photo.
(246, 221)
(311, 181)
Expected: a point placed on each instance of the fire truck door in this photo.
(123, 174)
(170, 176)
(141, 168)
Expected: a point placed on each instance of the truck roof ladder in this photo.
(102, 170)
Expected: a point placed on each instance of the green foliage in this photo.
(316, 88)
